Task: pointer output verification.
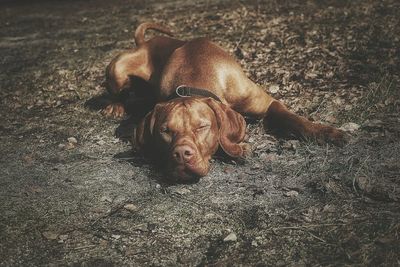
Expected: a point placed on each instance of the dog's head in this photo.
(184, 133)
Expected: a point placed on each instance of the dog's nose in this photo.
(183, 153)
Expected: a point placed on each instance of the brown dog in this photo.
(184, 132)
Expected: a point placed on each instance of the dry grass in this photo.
(382, 97)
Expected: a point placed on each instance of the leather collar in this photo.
(187, 91)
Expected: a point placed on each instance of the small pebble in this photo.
(131, 207)
(291, 193)
(273, 89)
(63, 237)
(50, 235)
(101, 142)
(116, 236)
(69, 146)
(72, 140)
(230, 238)
(256, 166)
(182, 191)
(272, 45)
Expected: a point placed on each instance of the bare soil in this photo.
(72, 193)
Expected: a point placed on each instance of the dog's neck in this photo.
(187, 91)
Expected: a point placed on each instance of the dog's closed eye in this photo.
(203, 127)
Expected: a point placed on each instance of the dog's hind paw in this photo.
(114, 110)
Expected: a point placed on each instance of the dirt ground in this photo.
(72, 193)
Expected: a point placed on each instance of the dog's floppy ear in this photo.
(232, 128)
(143, 133)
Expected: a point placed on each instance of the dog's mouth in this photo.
(189, 172)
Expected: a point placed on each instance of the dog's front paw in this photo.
(115, 110)
(328, 134)
(246, 148)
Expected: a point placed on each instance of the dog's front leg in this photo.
(284, 122)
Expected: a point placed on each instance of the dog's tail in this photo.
(142, 28)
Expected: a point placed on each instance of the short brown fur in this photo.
(173, 134)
